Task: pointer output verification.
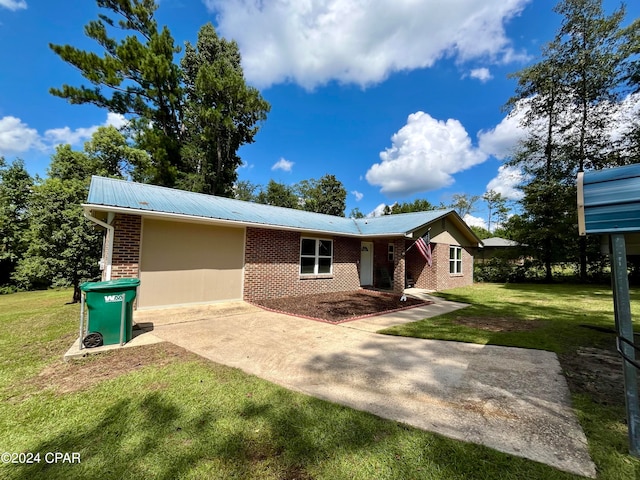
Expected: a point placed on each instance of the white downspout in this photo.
(110, 232)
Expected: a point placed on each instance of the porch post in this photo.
(398, 266)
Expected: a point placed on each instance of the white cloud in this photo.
(358, 195)
(502, 140)
(57, 136)
(64, 135)
(116, 120)
(378, 211)
(506, 182)
(625, 117)
(475, 221)
(16, 136)
(482, 74)
(13, 4)
(424, 155)
(283, 164)
(361, 41)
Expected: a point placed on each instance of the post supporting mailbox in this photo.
(609, 204)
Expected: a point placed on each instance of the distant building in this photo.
(502, 248)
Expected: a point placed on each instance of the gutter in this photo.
(110, 234)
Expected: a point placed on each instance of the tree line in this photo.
(326, 195)
(47, 242)
(571, 102)
(187, 119)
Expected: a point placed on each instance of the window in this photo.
(455, 260)
(316, 256)
(390, 250)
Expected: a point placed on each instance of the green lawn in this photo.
(159, 412)
(563, 314)
(561, 318)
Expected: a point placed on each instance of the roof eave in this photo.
(231, 223)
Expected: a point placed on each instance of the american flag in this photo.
(424, 247)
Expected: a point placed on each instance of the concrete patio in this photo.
(510, 399)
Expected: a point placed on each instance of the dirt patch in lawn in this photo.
(595, 372)
(76, 375)
(340, 306)
(499, 324)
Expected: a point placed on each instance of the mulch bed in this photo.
(340, 306)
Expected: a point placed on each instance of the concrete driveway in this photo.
(511, 399)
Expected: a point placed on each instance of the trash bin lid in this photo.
(119, 284)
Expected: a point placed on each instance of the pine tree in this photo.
(135, 76)
(569, 100)
(221, 114)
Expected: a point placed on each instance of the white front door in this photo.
(366, 263)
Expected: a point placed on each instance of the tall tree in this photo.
(135, 76)
(591, 52)
(631, 36)
(497, 206)
(63, 247)
(568, 99)
(631, 139)
(326, 195)
(15, 191)
(221, 113)
(278, 195)
(356, 213)
(245, 190)
(110, 153)
(548, 223)
(464, 203)
(191, 118)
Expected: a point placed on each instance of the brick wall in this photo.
(272, 266)
(447, 280)
(437, 277)
(399, 265)
(417, 268)
(126, 247)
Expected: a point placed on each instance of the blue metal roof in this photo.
(399, 223)
(609, 200)
(140, 198)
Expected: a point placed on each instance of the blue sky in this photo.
(399, 99)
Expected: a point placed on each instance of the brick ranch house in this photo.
(192, 248)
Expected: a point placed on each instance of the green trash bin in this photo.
(110, 311)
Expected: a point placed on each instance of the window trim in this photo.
(455, 261)
(316, 256)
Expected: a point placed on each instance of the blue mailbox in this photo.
(609, 204)
(609, 201)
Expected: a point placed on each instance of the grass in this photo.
(568, 318)
(159, 412)
(564, 312)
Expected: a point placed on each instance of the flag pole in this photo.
(416, 240)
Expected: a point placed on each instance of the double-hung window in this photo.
(455, 260)
(316, 256)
